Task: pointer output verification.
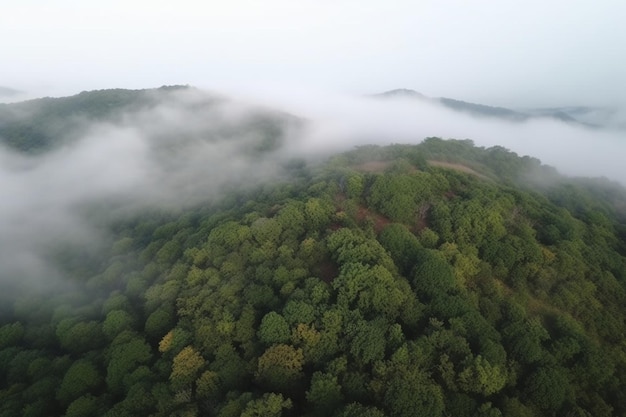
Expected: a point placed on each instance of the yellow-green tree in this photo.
(185, 368)
(279, 367)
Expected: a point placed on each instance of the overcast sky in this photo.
(512, 53)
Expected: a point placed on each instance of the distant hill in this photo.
(38, 125)
(8, 92)
(482, 110)
(401, 92)
(574, 115)
(608, 117)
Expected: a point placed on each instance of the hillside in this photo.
(8, 92)
(434, 279)
(577, 115)
(41, 124)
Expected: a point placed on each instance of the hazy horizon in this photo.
(190, 147)
(533, 54)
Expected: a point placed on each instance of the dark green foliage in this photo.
(273, 329)
(409, 290)
(359, 410)
(400, 196)
(324, 395)
(123, 358)
(81, 378)
(412, 393)
(116, 322)
(432, 275)
(402, 245)
(547, 387)
(84, 406)
(41, 124)
(79, 337)
(159, 322)
(11, 334)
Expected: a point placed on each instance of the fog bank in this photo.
(193, 146)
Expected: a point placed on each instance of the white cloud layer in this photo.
(191, 148)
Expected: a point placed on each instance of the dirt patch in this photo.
(456, 167)
(380, 221)
(422, 218)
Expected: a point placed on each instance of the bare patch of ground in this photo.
(379, 221)
(452, 165)
(456, 167)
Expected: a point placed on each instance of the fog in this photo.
(341, 121)
(194, 146)
(188, 149)
(531, 53)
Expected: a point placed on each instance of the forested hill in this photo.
(438, 279)
(41, 124)
(575, 115)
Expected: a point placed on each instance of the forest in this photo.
(432, 279)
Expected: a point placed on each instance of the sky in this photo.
(508, 53)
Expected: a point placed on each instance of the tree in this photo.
(85, 406)
(124, 358)
(396, 195)
(359, 410)
(159, 322)
(115, 322)
(296, 311)
(274, 329)
(11, 334)
(291, 218)
(433, 275)
(208, 385)
(354, 186)
(185, 368)
(324, 393)
(280, 367)
(168, 253)
(368, 341)
(79, 337)
(307, 338)
(428, 238)
(411, 393)
(547, 387)
(480, 377)
(402, 245)
(373, 290)
(266, 230)
(523, 340)
(270, 405)
(234, 372)
(81, 378)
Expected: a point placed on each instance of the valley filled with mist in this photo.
(178, 251)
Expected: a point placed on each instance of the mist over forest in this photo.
(177, 146)
(329, 208)
(178, 251)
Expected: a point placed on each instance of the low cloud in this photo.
(187, 149)
(191, 147)
(342, 122)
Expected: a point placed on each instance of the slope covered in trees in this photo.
(38, 125)
(376, 284)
